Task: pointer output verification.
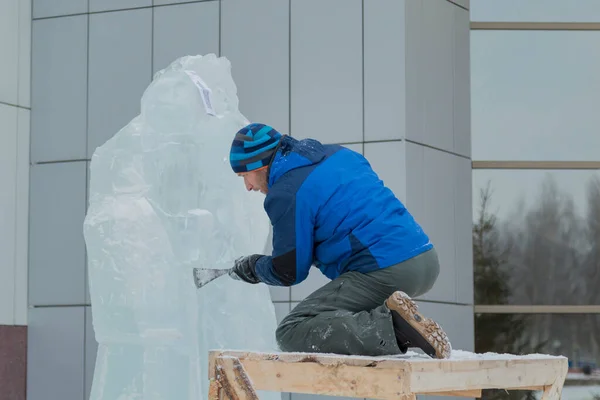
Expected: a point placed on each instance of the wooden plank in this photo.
(335, 380)
(554, 392)
(391, 361)
(534, 388)
(456, 393)
(490, 374)
(215, 392)
(454, 365)
(323, 359)
(233, 380)
(397, 377)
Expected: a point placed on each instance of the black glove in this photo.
(245, 269)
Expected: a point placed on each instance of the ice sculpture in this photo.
(164, 200)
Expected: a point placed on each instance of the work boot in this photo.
(414, 330)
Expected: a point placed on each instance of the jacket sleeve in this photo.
(293, 229)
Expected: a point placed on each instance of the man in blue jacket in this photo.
(330, 210)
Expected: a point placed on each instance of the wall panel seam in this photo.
(152, 43)
(120, 9)
(19, 45)
(87, 85)
(290, 78)
(28, 222)
(454, 58)
(4, 103)
(16, 217)
(454, 164)
(220, 28)
(59, 161)
(60, 16)
(363, 68)
(437, 148)
(32, 306)
(87, 177)
(458, 5)
(536, 26)
(450, 303)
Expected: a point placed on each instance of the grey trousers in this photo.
(348, 314)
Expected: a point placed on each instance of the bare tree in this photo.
(499, 333)
(547, 254)
(491, 281)
(592, 263)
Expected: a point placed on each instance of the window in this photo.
(535, 92)
(535, 10)
(535, 95)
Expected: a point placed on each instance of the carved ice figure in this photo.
(163, 200)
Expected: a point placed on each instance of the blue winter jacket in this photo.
(328, 208)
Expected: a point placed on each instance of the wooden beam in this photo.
(334, 380)
(457, 393)
(231, 380)
(389, 378)
(488, 374)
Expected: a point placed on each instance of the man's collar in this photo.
(273, 159)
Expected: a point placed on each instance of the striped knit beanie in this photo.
(253, 147)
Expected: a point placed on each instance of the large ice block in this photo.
(163, 200)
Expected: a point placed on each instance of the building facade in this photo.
(534, 91)
(387, 78)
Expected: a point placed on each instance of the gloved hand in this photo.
(244, 269)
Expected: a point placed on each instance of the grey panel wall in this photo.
(90, 351)
(15, 101)
(384, 70)
(260, 57)
(55, 356)
(438, 139)
(184, 29)
(430, 198)
(326, 70)
(89, 72)
(463, 231)
(111, 5)
(56, 246)
(120, 69)
(388, 160)
(462, 86)
(53, 8)
(59, 95)
(386, 78)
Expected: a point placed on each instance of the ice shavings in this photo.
(163, 200)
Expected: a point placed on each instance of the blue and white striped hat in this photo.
(253, 147)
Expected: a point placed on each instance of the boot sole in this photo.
(430, 330)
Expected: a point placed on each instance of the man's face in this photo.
(256, 180)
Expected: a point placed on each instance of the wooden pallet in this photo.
(237, 375)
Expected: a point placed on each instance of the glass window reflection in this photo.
(536, 237)
(576, 336)
(535, 95)
(535, 10)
